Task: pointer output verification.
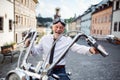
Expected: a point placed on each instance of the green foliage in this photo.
(9, 44)
(69, 20)
(6, 44)
(43, 20)
(12, 43)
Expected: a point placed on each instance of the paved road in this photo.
(96, 67)
(84, 67)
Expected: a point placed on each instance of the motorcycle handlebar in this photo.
(100, 49)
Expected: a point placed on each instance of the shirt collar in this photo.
(52, 37)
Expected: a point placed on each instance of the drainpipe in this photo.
(112, 18)
(14, 19)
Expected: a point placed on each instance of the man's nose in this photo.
(58, 28)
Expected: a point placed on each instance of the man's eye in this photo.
(56, 26)
(61, 27)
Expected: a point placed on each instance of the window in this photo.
(105, 19)
(110, 16)
(101, 32)
(1, 23)
(10, 0)
(102, 19)
(21, 20)
(10, 24)
(117, 5)
(25, 21)
(97, 31)
(115, 26)
(16, 19)
(25, 2)
(119, 27)
(22, 1)
(95, 20)
(94, 31)
(99, 20)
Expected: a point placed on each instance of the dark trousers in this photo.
(61, 73)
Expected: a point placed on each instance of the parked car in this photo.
(110, 38)
(113, 39)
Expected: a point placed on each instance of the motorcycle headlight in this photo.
(13, 76)
(16, 75)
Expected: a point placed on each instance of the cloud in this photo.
(66, 12)
(67, 8)
(45, 9)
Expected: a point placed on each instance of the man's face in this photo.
(58, 28)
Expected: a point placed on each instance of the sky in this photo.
(68, 8)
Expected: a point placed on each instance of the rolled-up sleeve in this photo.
(37, 49)
(81, 49)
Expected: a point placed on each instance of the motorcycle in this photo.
(41, 71)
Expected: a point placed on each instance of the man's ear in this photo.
(51, 29)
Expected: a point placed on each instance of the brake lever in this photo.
(100, 49)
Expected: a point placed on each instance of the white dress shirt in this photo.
(46, 42)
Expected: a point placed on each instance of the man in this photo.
(46, 42)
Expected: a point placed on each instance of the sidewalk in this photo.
(7, 65)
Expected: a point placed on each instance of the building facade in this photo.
(101, 19)
(6, 22)
(116, 19)
(78, 20)
(25, 17)
(85, 23)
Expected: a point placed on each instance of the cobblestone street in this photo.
(84, 67)
(94, 23)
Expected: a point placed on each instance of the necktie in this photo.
(52, 53)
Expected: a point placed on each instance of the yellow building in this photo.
(25, 17)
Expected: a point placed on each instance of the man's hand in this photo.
(27, 42)
(93, 50)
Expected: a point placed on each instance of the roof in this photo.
(102, 2)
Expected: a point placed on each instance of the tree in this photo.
(43, 21)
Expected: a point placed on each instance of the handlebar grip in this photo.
(101, 50)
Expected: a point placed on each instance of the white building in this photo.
(6, 22)
(116, 18)
(85, 23)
